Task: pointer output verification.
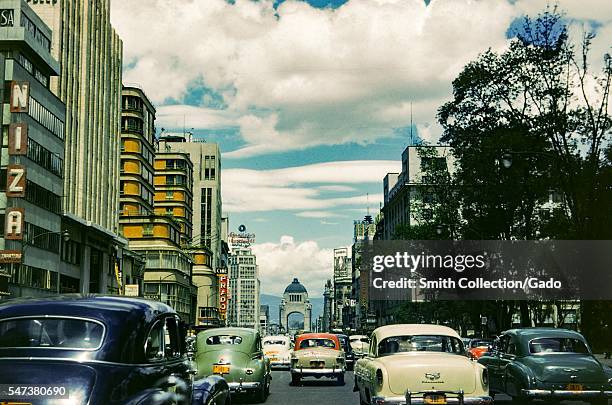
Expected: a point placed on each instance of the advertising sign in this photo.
(18, 139)
(223, 284)
(131, 290)
(10, 256)
(7, 17)
(15, 181)
(14, 223)
(20, 96)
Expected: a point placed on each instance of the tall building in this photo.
(243, 288)
(90, 57)
(209, 228)
(342, 288)
(264, 319)
(32, 159)
(363, 231)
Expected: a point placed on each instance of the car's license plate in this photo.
(574, 387)
(434, 399)
(273, 359)
(221, 369)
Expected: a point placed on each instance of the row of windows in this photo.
(167, 260)
(35, 31)
(131, 124)
(34, 277)
(42, 238)
(209, 167)
(71, 252)
(176, 180)
(46, 118)
(29, 66)
(45, 158)
(42, 197)
(132, 103)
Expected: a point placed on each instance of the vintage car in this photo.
(349, 354)
(235, 354)
(419, 364)
(546, 363)
(477, 347)
(317, 355)
(89, 349)
(360, 344)
(278, 350)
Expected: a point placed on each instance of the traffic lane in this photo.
(501, 399)
(310, 391)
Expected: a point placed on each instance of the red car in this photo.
(317, 355)
(477, 347)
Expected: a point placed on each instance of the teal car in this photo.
(546, 363)
(236, 355)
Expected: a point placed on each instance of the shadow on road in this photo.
(317, 383)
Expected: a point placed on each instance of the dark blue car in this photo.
(98, 350)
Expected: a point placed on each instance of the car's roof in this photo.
(532, 333)
(86, 305)
(317, 336)
(384, 332)
(277, 337)
(230, 331)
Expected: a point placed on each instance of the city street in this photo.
(326, 391)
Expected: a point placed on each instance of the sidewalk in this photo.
(607, 362)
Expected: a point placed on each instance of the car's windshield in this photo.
(275, 342)
(557, 345)
(481, 343)
(308, 343)
(65, 333)
(362, 340)
(420, 343)
(223, 340)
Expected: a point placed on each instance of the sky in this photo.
(312, 102)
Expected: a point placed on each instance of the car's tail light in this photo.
(379, 377)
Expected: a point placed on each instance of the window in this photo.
(223, 340)
(147, 230)
(154, 345)
(420, 343)
(169, 195)
(46, 118)
(68, 333)
(42, 197)
(558, 345)
(308, 343)
(172, 348)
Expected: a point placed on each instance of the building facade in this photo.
(342, 288)
(295, 300)
(32, 159)
(243, 288)
(89, 53)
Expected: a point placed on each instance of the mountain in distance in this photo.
(273, 302)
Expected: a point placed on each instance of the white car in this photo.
(360, 344)
(419, 364)
(278, 350)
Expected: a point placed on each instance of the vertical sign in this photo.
(15, 181)
(20, 96)
(223, 295)
(14, 223)
(7, 17)
(18, 139)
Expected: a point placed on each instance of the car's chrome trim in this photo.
(105, 362)
(80, 318)
(413, 401)
(243, 386)
(566, 393)
(317, 371)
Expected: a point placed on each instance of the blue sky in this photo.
(312, 102)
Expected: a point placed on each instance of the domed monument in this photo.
(295, 300)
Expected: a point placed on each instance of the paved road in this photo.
(326, 391)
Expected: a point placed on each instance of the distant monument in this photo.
(295, 300)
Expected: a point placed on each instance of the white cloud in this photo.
(301, 76)
(280, 262)
(318, 214)
(337, 188)
(291, 189)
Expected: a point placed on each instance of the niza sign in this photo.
(42, 1)
(7, 17)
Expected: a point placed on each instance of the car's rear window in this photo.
(310, 343)
(223, 340)
(64, 333)
(275, 342)
(420, 343)
(557, 345)
(481, 343)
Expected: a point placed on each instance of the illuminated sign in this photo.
(7, 17)
(20, 96)
(18, 139)
(15, 181)
(14, 223)
(223, 280)
(241, 239)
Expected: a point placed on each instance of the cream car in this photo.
(419, 364)
(278, 350)
(360, 344)
(317, 355)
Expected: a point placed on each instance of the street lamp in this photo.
(25, 243)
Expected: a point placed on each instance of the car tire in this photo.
(295, 379)
(340, 379)
(260, 395)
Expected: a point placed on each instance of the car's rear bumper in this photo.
(280, 364)
(564, 394)
(238, 387)
(317, 372)
(452, 397)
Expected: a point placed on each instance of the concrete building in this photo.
(243, 288)
(90, 57)
(32, 159)
(295, 300)
(342, 288)
(264, 319)
(363, 231)
(328, 305)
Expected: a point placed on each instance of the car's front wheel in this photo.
(340, 379)
(295, 379)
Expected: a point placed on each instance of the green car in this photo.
(236, 355)
(546, 363)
